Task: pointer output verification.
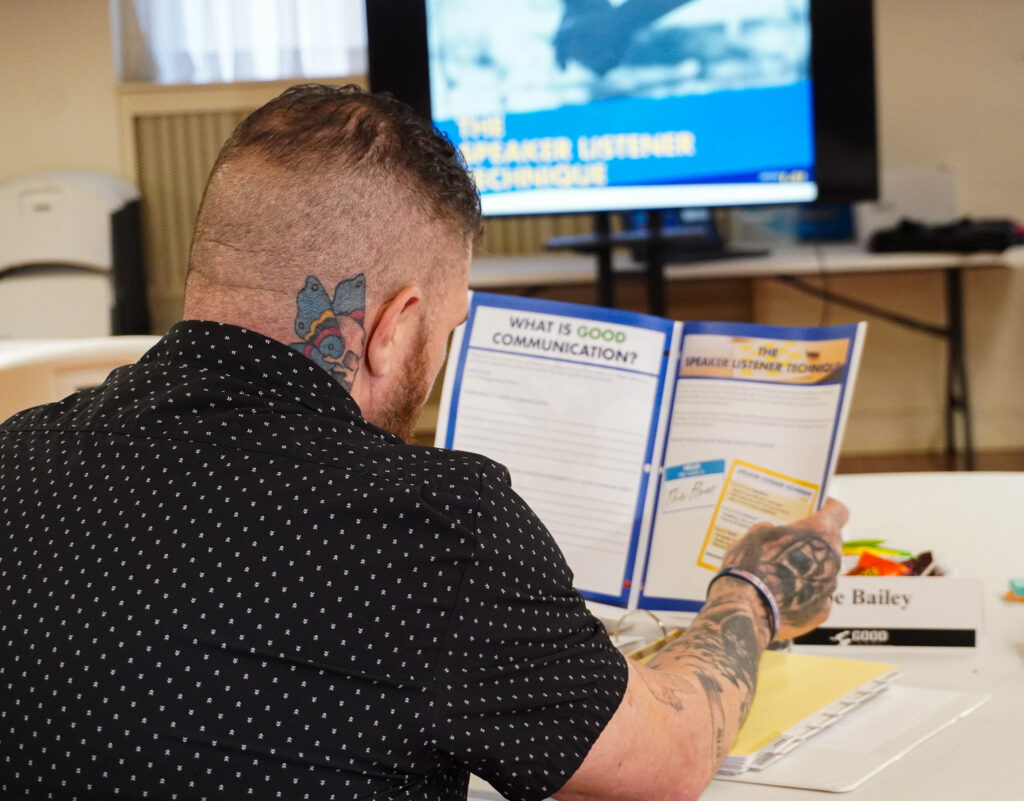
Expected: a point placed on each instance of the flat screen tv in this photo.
(614, 105)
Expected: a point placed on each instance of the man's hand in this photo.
(798, 562)
(683, 709)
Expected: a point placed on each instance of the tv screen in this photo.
(598, 105)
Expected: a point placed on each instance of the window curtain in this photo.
(199, 41)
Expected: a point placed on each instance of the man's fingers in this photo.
(830, 518)
(837, 511)
(788, 630)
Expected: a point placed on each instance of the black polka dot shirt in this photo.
(217, 581)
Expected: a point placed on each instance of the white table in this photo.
(558, 269)
(972, 523)
(44, 370)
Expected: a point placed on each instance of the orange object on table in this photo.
(871, 565)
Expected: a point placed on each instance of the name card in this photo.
(902, 610)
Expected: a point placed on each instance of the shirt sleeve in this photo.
(528, 677)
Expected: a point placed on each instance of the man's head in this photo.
(342, 224)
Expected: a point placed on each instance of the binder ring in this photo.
(651, 615)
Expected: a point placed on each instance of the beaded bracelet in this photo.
(773, 608)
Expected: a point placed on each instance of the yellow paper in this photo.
(793, 687)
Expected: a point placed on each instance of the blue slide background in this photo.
(739, 134)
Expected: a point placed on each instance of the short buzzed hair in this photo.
(319, 168)
(313, 126)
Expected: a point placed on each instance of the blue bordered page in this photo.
(757, 417)
(569, 399)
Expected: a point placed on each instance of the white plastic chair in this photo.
(59, 262)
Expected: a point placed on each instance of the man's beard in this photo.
(401, 412)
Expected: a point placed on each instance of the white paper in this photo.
(749, 441)
(857, 747)
(572, 429)
(576, 402)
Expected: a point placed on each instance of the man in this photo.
(223, 574)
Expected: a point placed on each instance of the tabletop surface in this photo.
(560, 268)
(971, 523)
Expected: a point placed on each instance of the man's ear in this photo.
(396, 319)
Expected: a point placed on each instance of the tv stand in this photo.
(652, 246)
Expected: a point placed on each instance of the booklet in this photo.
(648, 446)
(797, 697)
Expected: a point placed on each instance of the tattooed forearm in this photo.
(670, 693)
(716, 708)
(708, 675)
(721, 650)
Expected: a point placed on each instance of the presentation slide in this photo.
(566, 105)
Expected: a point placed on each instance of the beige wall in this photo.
(951, 79)
(59, 106)
(951, 83)
(952, 93)
(950, 88)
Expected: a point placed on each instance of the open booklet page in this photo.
(756, 421)
(566, 398)
(576, 402)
